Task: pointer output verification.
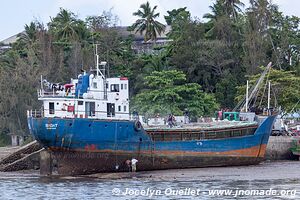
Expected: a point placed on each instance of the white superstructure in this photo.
(92, 95)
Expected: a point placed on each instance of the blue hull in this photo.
(89, 145)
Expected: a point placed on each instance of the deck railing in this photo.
(54, 93)
(79, 114)
(35, 113)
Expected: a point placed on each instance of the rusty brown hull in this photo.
(75, 163)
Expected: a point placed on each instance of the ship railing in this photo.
(55, 93)
(35, 113)
(71, 112)
(65, 113)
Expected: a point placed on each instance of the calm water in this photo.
(31, 186)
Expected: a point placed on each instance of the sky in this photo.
(15, 14)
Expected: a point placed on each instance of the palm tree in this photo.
(147, 22)
(217, 12)
(65, 26)
(30, 33)
(225, 7)
(232, 7)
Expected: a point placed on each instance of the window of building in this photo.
(125, 86)
(80, 103)
(121, 86)
(124, 108)
(114, 88)
(51, 108)
(119, 108)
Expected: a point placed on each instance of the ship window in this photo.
(114, 88)
(119, 108)
(124, 108)
(121, 86)
(95, 84)
(80, 103)
(51, 107)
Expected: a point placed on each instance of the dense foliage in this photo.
(167, 92)
(199, 69)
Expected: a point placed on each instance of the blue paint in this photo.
(82, 85)
(115, 135)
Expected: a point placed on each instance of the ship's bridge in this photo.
(89, 96)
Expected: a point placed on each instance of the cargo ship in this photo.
(87, 127)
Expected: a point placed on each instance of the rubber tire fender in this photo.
(137, 126)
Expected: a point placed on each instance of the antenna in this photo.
(101, 63)
(97, 59)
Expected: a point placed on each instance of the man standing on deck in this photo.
(133, 164)
(186, 116)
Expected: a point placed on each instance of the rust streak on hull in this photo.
(82, 162)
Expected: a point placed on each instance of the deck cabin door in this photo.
(90, 109)
(110, 109)
(87, 108)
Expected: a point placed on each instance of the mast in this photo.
(102, 74)
(269, 95)
(42, 83)
(247, 96)
(253, 91)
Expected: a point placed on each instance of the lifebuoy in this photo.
(137, 125)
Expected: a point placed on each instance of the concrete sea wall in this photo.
(278, 148)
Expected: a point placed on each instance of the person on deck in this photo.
(220, 115)
(171, 120)
(186, 116)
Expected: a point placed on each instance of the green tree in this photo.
(226, 90)
(29, 36)
(167, 92)
(66, 27)
(104, 21)
(257, 40)
(232, 7)
(147, 24)
(178, 19)
(285, 34)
